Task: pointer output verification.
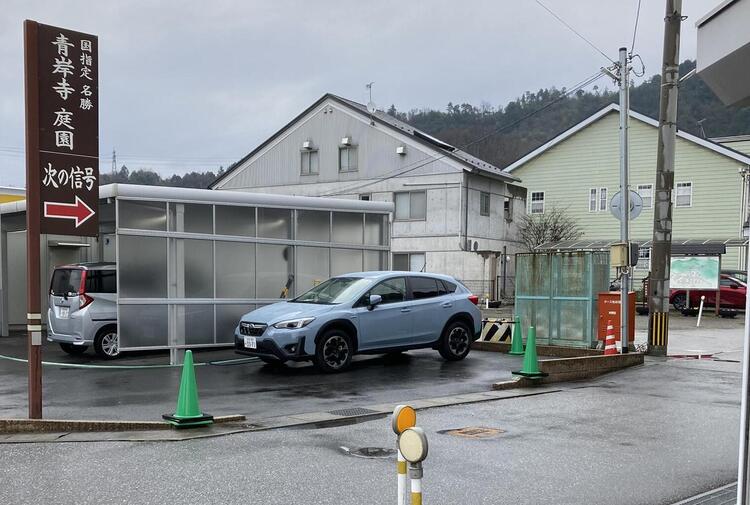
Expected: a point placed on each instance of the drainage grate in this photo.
(725, 495)
(356, 411)
(473, 432)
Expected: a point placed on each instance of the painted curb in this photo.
(59, 426)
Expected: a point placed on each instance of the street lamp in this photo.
(742, 467)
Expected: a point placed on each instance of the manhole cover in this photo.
(357, 411)
(473, 432)
(369, 452)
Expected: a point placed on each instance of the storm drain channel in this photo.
(725, 495)
(356, 411)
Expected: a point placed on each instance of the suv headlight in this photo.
(293, 324)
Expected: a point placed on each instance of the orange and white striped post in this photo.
(610, 345)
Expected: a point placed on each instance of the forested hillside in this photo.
(461, 124)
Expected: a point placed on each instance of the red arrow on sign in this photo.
(78, 211)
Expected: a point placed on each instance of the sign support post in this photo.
(33, 248)
(61, 78)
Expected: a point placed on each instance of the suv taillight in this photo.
(474, 299)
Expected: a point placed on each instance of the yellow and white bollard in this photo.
(412, 443)
(415, 474)
(404, 417)
(401, 469)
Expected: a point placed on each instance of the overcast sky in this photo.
(188, 85)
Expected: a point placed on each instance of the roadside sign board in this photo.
(694, 272)
(68, 133)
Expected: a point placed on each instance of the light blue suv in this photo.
(364, 313)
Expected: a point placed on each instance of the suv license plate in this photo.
(64, 312)
(251, 343)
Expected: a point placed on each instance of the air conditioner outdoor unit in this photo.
(401, 150)
(307, 144)
(346, 141)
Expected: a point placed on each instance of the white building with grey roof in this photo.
(454, 213)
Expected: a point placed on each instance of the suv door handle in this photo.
(447, 305)
(405, 310)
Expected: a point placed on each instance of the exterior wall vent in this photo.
(346, 141)
(401, 150)
(307, 144)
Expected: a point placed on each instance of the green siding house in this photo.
(579, 171)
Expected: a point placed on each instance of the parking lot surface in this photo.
(250, 388)
(650, 435)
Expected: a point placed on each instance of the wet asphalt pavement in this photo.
(254, 389)
(650, 435)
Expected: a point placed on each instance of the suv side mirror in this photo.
(374, 300)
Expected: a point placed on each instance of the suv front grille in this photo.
(252, 329)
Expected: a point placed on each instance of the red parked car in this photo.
(733, 293)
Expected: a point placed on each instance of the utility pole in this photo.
(624, 193)
(114, 161)
(661, 249)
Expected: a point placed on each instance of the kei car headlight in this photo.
(293, 324)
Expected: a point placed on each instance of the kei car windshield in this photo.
(335, 290)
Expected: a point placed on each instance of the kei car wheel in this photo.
(107, 343)
(678, 302)
(455, 342)
(73, 350)
(334, 351)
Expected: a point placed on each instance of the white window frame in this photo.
(484, 196)
(650, 188)
(593, 199)
(309, 153)
(410, 218)
(508, 208)
(688, 184)
(603, 199)
(409, 260)
(351, 149)
(531, 201)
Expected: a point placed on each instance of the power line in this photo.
(403, 170)
(635, 28)
(574, 31)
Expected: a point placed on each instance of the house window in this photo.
(602, 198)
(409, 262)
(684, 196)
(484, 204)
(348, 159)
(309, 164)
(365, 197)
(592, 200)
(644, 259)
(537, 202)
(411, 205)
(646, 191)
(508, 208)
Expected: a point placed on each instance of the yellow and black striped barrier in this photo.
(496, 330)
(658, 330)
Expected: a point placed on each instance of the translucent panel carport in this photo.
(557, 292)
(189, 269)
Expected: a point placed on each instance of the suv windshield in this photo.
(65, 281)
(333, 291)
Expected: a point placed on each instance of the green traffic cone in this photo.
(530, 361)
(516, 343)
(188, 411)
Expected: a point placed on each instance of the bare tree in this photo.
(553, 225)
